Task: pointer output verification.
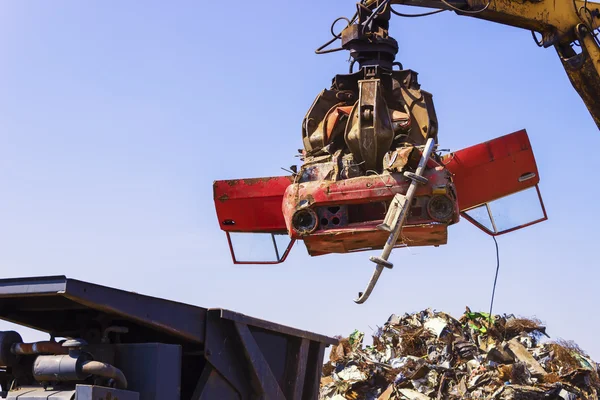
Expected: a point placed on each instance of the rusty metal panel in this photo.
(494, 169)
(251, 205)
(360, 205)
(370, 238)
(358, 190)
(369, 133)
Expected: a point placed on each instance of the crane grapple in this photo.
(373, 176)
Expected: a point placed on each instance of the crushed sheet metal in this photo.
(431, 355)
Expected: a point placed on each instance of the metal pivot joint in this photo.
(394, 220)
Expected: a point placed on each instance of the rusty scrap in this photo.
(431, 355)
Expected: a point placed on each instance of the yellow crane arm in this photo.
(570, 26)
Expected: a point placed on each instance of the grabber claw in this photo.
(394, 220)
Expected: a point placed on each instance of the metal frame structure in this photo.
(280, 259)
(225, 354)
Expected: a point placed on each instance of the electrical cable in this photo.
(377, 11)
(338, 35)
(414, 15)
(588, 21)
(321, 50)
(540, 42)
(458, 10)
(495, 281)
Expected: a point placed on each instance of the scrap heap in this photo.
(430, 355)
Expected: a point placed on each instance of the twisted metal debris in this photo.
(431, 355)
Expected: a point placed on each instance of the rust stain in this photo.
(254, 181)
(223, 198)
(39, 348)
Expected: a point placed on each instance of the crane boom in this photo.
(571, 27)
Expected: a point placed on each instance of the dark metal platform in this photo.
(224, 354)
(41, 303)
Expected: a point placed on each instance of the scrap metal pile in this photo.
(431, 355)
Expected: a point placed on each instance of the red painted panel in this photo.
(364, 189)
(254, 205)
(491, 170)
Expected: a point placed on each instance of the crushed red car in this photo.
(333, 215)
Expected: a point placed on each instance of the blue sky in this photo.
(116, 117)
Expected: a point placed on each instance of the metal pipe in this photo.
(113, 329)
(48, 347)
(105, 370)
(393, 238)
(62, 368)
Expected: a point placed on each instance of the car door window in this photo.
(259, 248)
(509, 213)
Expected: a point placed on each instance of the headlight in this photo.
(440, 208)
(304, 221)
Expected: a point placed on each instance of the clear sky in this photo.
(116, 117)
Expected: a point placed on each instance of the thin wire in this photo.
(467, 11)
(495, 281)
(387, 185)
(415, 15)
